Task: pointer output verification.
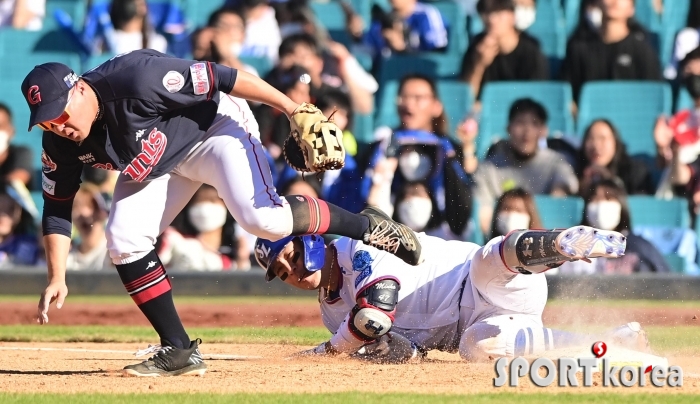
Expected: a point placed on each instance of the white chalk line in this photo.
(206, 356)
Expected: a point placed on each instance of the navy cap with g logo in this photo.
(46, 90)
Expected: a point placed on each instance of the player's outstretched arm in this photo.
(256, 89)
(57, 247)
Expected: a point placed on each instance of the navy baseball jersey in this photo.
(155, 108)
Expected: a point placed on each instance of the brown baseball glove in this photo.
(316, 142)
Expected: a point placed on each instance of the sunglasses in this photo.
(63, 118)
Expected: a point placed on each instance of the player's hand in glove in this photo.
(390, 348)
(56, 291)
(316, 142)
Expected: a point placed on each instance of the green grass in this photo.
(351, 397)
(93, 333)
(684, 340)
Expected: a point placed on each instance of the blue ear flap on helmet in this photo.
(314, 252)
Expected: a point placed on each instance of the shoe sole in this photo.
(582, 242)
(192, 370)
(407, 236)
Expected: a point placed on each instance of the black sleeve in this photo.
(469, 58)
(540, 69)
(458, 195)
(169, 83)
(650, 63)
(60, 180)
(637, 178)
(571, 69)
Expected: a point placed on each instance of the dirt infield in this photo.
(303, 314)
(270, 370)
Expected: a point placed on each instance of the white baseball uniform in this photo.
(462, 296)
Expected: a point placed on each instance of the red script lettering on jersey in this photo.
(152, 150)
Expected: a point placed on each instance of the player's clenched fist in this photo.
(56, 291)
(316, 142)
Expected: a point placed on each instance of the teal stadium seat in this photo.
(549, 28)
(676, 262)
(456, 20)
(632, 106)
(647, 210)
(456, 98)
(74, 8)
(431, 64)
(198, 11)
(558, 213)
(331, 16)
(11, 94)
(38, 198)
(647, 16)
(497, 97)
(363, 127)
(572, 9)
(673, 19)
(262, 64)
(684, 100)
(94, 61)
(17, 43)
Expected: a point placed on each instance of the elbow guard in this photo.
(373, 315)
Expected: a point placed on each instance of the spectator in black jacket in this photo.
(619, 50)
(502, 52)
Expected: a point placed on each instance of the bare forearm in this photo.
(362, 100)
(256, 89)
(22, 15)
(680, 173)
(474, 79)
(57, 247)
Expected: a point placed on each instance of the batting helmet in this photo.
(314, 252)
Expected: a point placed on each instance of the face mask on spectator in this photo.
(236, 49)
(414, 166)
(692, 84)
(207, 216)
(4, 140)
(509, 221)
(604, 215)
(594, 16)
(524, 17)
(415, 212)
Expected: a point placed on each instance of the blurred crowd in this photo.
(423, 171)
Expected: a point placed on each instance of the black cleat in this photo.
(171, 361)
(385, 234)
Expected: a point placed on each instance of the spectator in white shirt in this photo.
(22, 14)
(262, 32)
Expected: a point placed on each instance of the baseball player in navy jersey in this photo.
(170, 125)
(480, 301)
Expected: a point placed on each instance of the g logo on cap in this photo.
(33, 95)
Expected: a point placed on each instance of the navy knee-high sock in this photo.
(148, 284)
(314, 216)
